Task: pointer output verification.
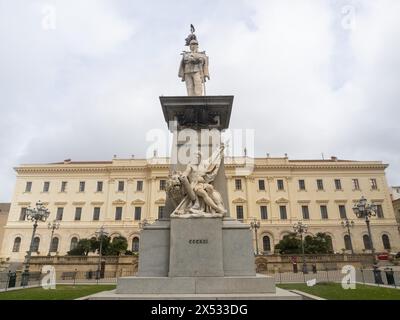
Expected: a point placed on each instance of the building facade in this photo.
(395, 192)
(4, 210)
(122, 193)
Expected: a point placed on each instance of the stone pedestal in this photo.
(196, 248)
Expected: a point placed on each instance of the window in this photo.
(96, 213)
(367, 242)
(22, 215)
(54, 245)
(302, 185)
(99, 186)
(138, 213)
(266, 244)
(28, 186)
(139, 185)
(338, 184)
(135, 244)
(17, 244)
(283, 212)
(239, 212)
(161, 212)
(74, 243)
(305, 212)
(261, 185)
(78, 213)
(63, 186)
(379, 211)
(238, 184)
(35, 244)
(342, 211)
(264, 212)
(118, 213)
(163, 184)
(347, 242)
(280, 184)
(46, 186)
(356, 185)
(386, 242)
(374, 185)
(60, 212)
(121, 185)
(320, 184)
(82, 186)
(324, 212)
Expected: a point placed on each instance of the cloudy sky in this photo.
(81, 79)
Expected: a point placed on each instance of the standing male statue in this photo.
(194, 67)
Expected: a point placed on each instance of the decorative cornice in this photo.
(26, 203)
(138, 202)
(282, 200)
(97, 203)
(78, 203)
(119, 201)
(321, 201)
(341, 200)
(160, 201)
(239, 200)
(60, 203)
(262, 200)
(303, 201)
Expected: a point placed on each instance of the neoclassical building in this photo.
(122, 193)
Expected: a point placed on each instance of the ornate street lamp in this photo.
(300, 228)
(365, 210)
(255, 224)
(348, 224)
(55, 225)
(40, 213)
(100, 234)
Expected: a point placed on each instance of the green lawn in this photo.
(62, 292)
(334, 291)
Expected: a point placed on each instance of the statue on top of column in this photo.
(194, 66)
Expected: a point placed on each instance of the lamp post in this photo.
(348, 224)
(100, 234)
(40, 213)
(365, 210)
(255, 224)
(300, 228)
(52, 226)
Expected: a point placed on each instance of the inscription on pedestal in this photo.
(196, 247)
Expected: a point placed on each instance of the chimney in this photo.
(66, 161)
(333, 158)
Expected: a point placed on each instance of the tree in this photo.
(289, 244)
(83, 248)
(321, 243)
(109, 248)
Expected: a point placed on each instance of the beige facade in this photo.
(396, 208)
(4, 210)
(71, 189)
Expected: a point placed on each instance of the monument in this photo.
(198, 250)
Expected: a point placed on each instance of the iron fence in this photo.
(378, 277)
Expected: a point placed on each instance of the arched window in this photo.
(386, 242)
(347, 242)
(17, 244)
(266, 244)
(74, 243)
(330, 244)
(54, 245)
(35, 244)
(135, 244)
(367, 243)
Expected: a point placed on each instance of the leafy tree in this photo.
(109, 248)
(289, 244)
(321, 243)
